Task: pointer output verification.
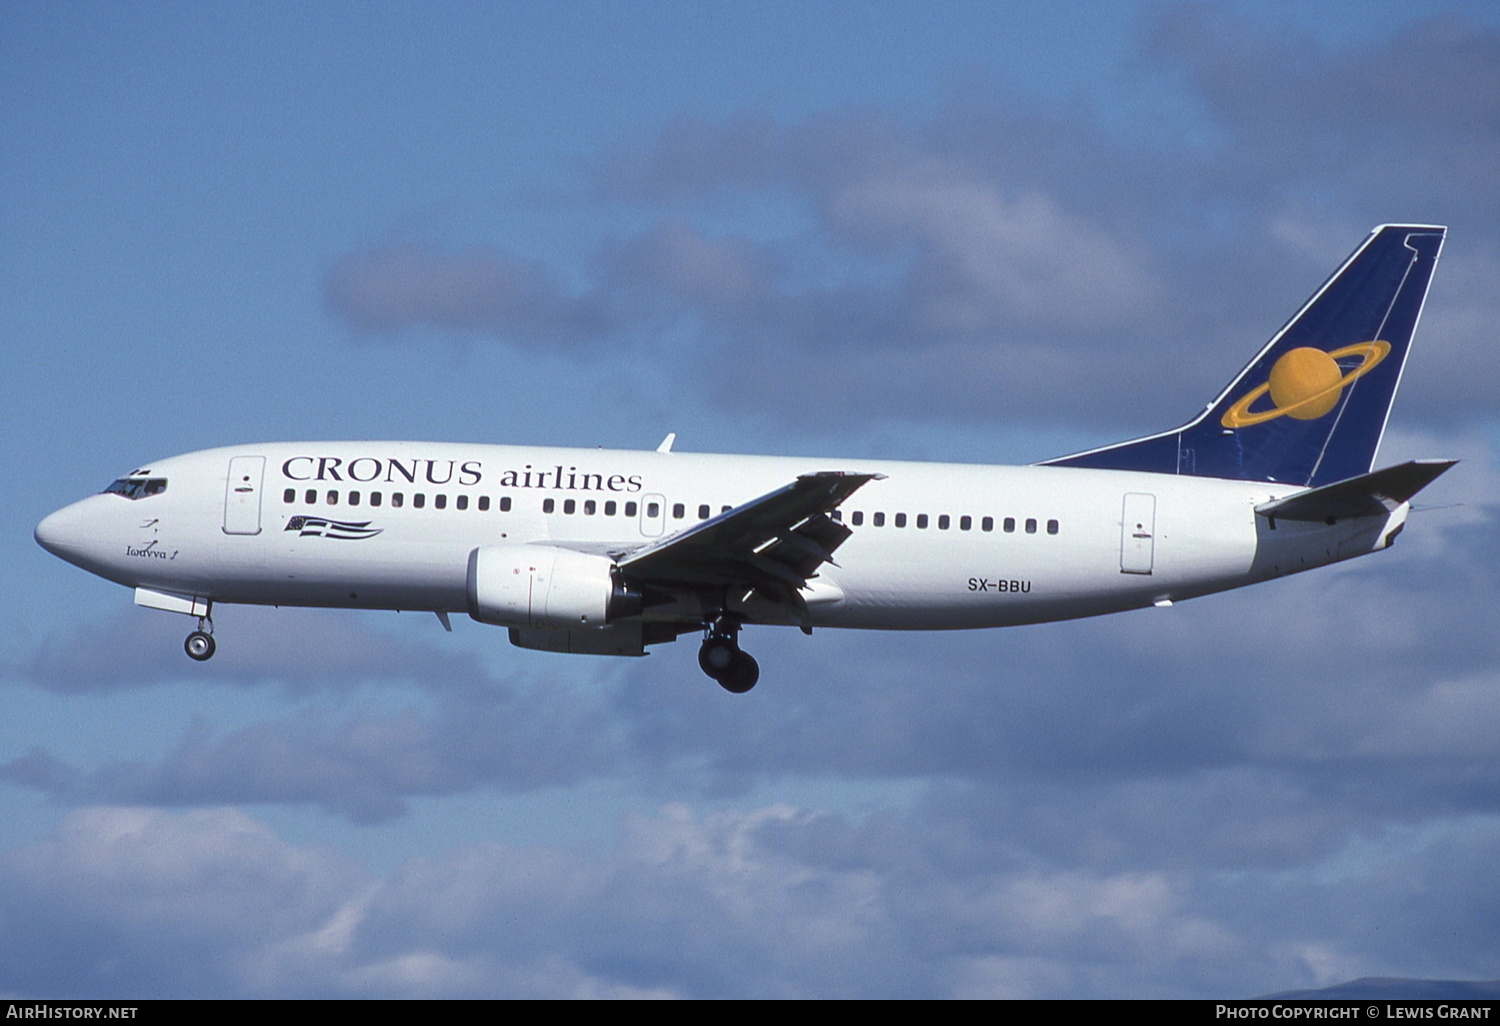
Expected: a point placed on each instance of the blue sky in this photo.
(983, 232)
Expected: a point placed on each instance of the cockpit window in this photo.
(137, 487)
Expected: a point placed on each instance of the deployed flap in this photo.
(772, 544)
(1375, 494)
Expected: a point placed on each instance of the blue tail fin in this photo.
(1311, 407)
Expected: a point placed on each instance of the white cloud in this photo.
(994, 258)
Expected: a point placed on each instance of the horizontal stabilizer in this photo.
(1369, 495)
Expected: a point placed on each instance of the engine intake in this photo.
(546, 586)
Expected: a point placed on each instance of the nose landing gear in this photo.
(200, 644)
(721, 658)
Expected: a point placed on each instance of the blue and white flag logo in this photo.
(322, 527)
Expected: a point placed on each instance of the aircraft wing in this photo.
(1375, 494)
(772, 544)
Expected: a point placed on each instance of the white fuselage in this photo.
(391, 525)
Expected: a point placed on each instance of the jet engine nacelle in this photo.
(545, 586)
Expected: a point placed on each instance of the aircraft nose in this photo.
(63, 533)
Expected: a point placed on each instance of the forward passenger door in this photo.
(242, 495)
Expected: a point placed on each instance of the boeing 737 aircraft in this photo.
(607, 552)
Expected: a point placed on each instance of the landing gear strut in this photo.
(200, 644)
(721, 658)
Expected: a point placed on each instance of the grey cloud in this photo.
(143, 903)
(1452, 376)
(300, 652)
(675, 263)
(1000, 257)
(1415, 117)
(733, 904)
(461, 727)
(1236, 818)
(366, 765)
(759, 902)
(1394, 902)
(395, 286)
(1146, 275)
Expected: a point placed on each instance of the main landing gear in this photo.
(200, 644)
(721, 658)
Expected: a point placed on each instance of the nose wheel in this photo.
(721, 658)
(200, 644)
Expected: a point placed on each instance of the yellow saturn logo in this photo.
(1305, 384)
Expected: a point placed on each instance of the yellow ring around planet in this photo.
(1240, 415)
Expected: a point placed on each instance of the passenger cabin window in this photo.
(858, 518)
(922, 521)
(419, 500)
(137, 487)
(354, 498)
(590, 507)
(965, 523)
(943, 522)
(653, 509)
(288, 496)
(484, 503)
(678, 511)
(630, 509)
(570, 506)
(1052, 527)
(610, 507)
(987, 524)
(1031, 525)
(462, 502)
(900, 519)
(440, 501)
(397, 499)
(878, 519)
(311, 496)
(505, 504)
(548, 505)
(1010, 524)
(374, 498)
(333, 497)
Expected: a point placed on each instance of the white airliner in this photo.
(607, 552)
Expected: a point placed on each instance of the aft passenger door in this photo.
(242, 495)
(1138, 533)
